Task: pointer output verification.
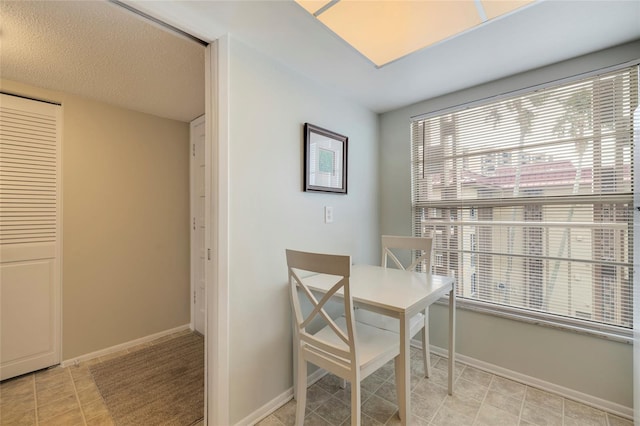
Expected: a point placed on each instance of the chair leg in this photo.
(301, 391)
(425, 345)
(355, 403)
(343, 384)
(295, 369)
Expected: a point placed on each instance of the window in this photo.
(529, 200)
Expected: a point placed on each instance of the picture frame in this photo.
(325, 160)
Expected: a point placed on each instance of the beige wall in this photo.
(125, 270)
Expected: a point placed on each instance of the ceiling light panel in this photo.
(385, 30)
(312, 6)
(495, 8)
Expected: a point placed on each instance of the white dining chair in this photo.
(344, 347)
(419, 322)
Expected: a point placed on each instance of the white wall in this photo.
(590, 365)
(269, 211)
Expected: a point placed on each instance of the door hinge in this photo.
(193, 150)
(194, 223)
(194, 297)
(208, 254)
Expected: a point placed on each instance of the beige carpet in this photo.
(159, 385)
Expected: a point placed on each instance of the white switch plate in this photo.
(328, 214)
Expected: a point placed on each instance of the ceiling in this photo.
(539, 34)
(99, 50)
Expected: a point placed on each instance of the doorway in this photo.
(103, 272)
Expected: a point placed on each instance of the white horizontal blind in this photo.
(28, 174)
(529, 199)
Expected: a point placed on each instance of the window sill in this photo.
(602, 331)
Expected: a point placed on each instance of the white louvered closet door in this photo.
(29, 235)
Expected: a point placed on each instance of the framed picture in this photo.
(325, 160)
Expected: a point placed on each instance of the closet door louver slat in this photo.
(28, 170)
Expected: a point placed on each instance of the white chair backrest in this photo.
(423, 244)
(342, 352)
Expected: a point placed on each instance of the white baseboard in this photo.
(590, 400)
(123, 346)
(278, 401)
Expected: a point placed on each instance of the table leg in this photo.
(452, 336)
(404, 373)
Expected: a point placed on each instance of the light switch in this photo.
(328, 214)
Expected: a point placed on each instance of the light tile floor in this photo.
(68, 396)
(480, 398)
(59, 396)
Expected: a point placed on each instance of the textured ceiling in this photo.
(101, 51)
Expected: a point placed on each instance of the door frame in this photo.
(217, 236)
(193, 203)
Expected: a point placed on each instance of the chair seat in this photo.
(388, 323)
(373, 342)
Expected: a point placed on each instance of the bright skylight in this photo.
(386, 30)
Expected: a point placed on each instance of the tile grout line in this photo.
(435, 414)
(328, 422)
(524, 402)
(524, 398)
(433, 366)
(75, 392)
(387, 380)
(484, 398)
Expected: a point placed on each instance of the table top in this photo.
(388, 290)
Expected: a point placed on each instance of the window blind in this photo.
(529, 199)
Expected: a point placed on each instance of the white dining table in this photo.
(399, 294)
